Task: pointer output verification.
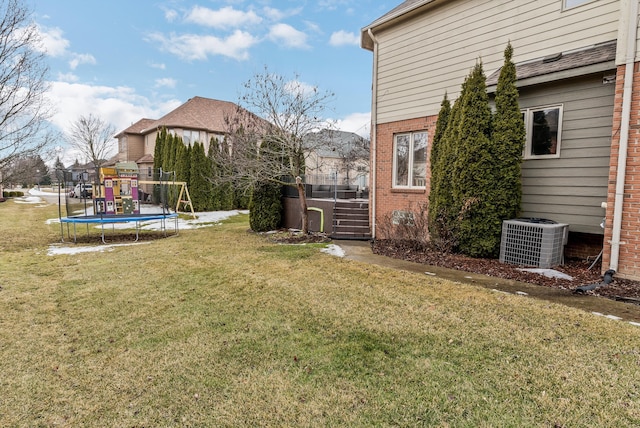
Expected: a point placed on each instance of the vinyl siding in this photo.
(420, 59)
(571, 188)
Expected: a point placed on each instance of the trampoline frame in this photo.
(112, 219)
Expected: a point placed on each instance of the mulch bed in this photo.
(619, 289)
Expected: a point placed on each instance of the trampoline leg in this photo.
(102, 226)
(137, 229)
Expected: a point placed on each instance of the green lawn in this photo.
(219, 327)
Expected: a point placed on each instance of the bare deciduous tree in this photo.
(92, 137)
(24, 110)
(267, 135)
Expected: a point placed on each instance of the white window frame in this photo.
(122, 144)
(410, 184)
(528, 126)
(570, 4)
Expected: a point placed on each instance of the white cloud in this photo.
(297, 87)
(120, 106)
(67, 77)
(52, 42)
(341, 38)
(227, 17)
(159, 66)
(313, 27)
(358, 123)
(196, 47)
(275, 15)
(287, 36)
(81, 59)
(166, 82)
(170, 15)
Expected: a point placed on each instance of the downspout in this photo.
(625, 119)
(374, 131)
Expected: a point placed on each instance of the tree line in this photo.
(198, 169)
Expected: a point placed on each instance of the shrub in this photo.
(408, 226)
(265, 207)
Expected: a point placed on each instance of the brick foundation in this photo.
(583, 246)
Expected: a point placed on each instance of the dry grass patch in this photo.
(219, 327)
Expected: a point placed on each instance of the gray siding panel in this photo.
(425, 56)
(571, 188)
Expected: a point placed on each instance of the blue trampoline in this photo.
(102, 220)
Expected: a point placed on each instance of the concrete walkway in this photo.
(361, 251)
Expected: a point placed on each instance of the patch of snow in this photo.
(637, 324)
(521, 293)
(55, 250)
(37, 192)
(28, 200)
(549, 273)
(430, 273)
(613, 317)
(334, 250)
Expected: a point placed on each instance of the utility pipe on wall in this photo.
(374, 131)
(632, 13)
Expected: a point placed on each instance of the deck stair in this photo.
(351, 220)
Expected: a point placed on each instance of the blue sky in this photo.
(123, 60)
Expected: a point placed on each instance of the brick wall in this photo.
(629, 260)
(387, 198)
(583, 246)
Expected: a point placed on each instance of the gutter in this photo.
(632, 29)
(374, 131)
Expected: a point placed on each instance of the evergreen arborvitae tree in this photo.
(438, 169)
(183, 163)
(157, 162)
(265, 205)
(215, 172)
(158, 149)
(508, 141)
(227, 194)
(445, 213)
(475, 172)
(200, 178)
(169, 153)
(182, 168)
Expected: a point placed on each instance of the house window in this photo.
(189, 136)
(568, 4)
(544, 129)
(410, 160)
(122, 142)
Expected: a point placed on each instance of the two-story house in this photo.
(577, 68)
(337, 157)
(199, 119)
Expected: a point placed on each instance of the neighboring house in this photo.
(340, 153)
(576, 66)
(199, 119)
(85, 172)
